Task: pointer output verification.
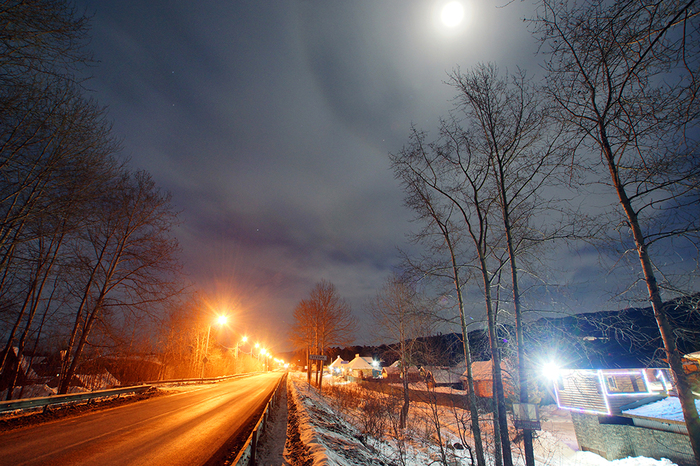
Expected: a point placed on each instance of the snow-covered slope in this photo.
(332, 440)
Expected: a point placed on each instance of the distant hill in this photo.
(605, 339)
(625, 338)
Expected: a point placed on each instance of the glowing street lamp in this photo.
(263, 352)
(221, 321)
(243, 340)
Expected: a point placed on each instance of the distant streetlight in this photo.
(221, 321)
(243, 340)
(261, 352)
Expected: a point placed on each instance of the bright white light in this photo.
(551, 370)
(452, 14)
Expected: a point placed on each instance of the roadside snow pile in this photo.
(330, 439)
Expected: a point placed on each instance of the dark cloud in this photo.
(271, 121)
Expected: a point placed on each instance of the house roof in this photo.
(668, 409)
(360, 363)
(482, 370)
(338, 361)
(444, 374)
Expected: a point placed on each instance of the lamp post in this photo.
(221, 320)
(263, 353)
(243, 340)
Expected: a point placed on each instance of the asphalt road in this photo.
(186, 428)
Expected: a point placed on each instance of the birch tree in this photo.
(455, 175)
(513, 128)
(400, 315)
(625, 77)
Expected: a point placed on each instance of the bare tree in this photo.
(41, 37)
(41, 49)
(513, 128)
(624, 75)
(52, 140)
(45, 204)
(443, 237)
(322, 320)
(455, 174)
(400, 314)
(125, 260)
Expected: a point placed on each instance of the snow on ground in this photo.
(333, 440)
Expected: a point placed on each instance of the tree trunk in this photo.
(685, 395)
(522, 371)
(473, 408)
(498, 392)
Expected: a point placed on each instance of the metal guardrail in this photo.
(44, 402)
(204, 380)
(246, 457)
(27, 403)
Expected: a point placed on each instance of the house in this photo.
(361, 368)
(393, 372)
(30, 381)
(605, 391)
(482, 374)
(443, 376)
(625, 412)
(337, 367)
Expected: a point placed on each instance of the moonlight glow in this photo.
(452, 14)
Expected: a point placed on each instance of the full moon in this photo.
(452, 14)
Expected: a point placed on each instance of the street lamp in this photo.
(263, 353)
(243, 340)
(221, 321)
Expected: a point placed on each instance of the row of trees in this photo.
(322, 320)
(86, 245)
(192, 344)
(617, 110)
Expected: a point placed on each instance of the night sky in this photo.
(271, 122)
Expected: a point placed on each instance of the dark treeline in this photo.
(86, 247)
(627, 338)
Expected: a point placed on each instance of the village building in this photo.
(337, 367)
(443, 376)
(362, 368)
(482, 374)
(625, 412)
(393, 373)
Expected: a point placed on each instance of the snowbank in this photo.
(332, 440)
